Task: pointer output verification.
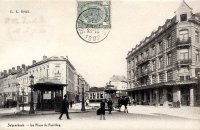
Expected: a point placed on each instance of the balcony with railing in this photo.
(184, 61)
(183, 42)
(144, 60)
(143, 73)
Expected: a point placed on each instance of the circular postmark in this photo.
(91, 26)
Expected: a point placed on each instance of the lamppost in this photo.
(22, 98)
(32, 111)
(17, 97)
(83, 100)
(67, 92)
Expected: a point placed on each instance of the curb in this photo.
(27, 114)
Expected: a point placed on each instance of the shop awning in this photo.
(48, 85)
(163, 84)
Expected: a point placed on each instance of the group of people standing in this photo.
(101, 111)
(121, 101)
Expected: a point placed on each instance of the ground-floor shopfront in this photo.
(9, 99)
(167, 94)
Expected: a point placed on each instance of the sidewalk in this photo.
(184, 111)
(76, 108)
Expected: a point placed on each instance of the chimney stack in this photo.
(18, 68)
(44, 57)
(13, 68)
(5, 72)
(23, 66)
(2, 73)
(33, 62)
(9, 71)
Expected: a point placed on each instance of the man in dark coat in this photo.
(125, 102)
(120, 103)
(110, 103)
(102, 109)
(64, 108)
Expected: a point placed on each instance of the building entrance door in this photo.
(58, 100)
(185, 96)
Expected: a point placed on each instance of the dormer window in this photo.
(183, 17)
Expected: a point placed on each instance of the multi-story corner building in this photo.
(55, 69)
(48, 74)
(164, 67)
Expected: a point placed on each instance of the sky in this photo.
(49, 29)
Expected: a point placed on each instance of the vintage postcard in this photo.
(99, 65)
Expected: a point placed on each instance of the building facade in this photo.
(164, 68)
(80, 83)
(15, 84)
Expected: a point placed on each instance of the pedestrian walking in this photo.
(71, 103)
(110, 105)
(64, 108)
(126, 100)
(178, 104)
(87, 102)
(102, 110)
(120, 103)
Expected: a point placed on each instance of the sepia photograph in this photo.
(100, 65)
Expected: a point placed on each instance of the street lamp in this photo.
(22, 98)
(17, 95)
(83, 100)
(32, 111)
(17, 86)
(67, 92)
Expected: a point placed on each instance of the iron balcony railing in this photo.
(184, 42)
(143, 60)
(184, 61)
(143, 73)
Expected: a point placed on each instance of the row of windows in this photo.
(183, 36)
(147, 67)
(161, 78)
(152, 50)
(38, 69)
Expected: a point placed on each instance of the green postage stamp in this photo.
(93, 22)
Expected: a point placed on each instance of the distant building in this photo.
(80, 82)
(119, 82)
(164, 67)
(96, 94)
